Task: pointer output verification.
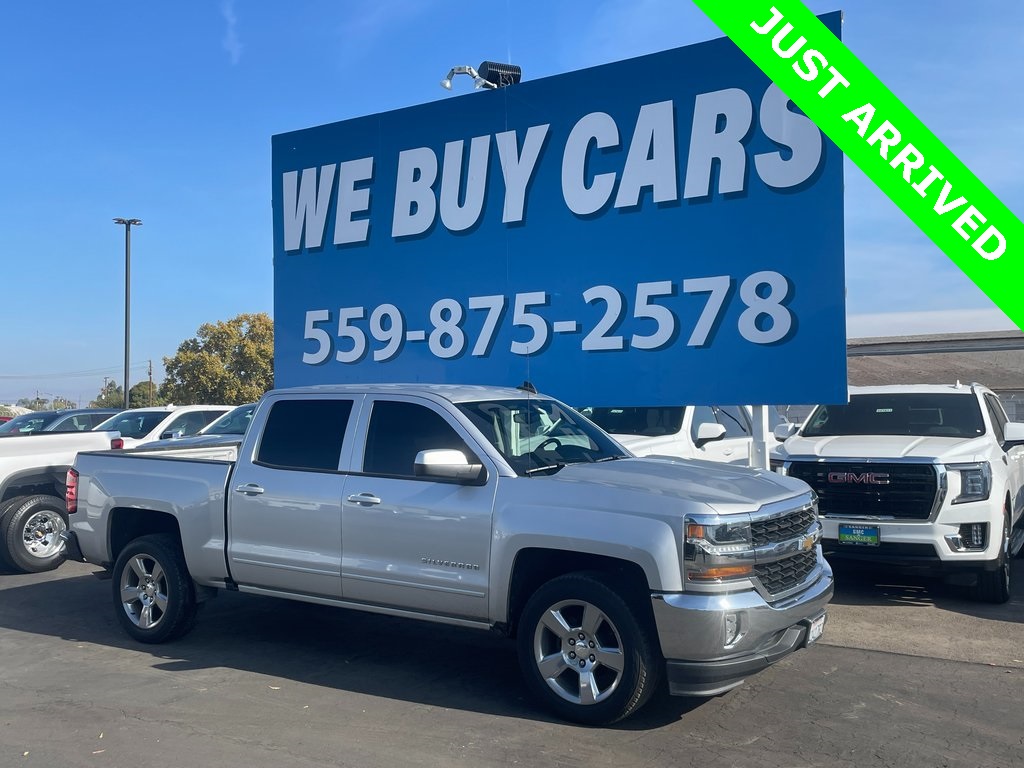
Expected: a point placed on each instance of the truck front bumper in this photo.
(711, 643)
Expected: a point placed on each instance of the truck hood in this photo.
(724, 487)
(884, 447)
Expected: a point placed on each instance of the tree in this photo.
(141, 396)
(62, 403)
(111, 396)
(34, 403)
(229, 362)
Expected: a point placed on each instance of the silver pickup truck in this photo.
(475, 506)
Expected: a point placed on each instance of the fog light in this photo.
(974, 535)
(732, 628)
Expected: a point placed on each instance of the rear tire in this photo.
(994, 586)
(153, 592)
(30, 528)
(585, 654)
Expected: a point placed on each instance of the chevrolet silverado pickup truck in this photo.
(33, 469)
(928, 477)
(481, 507)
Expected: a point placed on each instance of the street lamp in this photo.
(128, 223)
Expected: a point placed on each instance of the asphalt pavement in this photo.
(909, 673)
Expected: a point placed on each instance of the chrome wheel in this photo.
(144, 591)
(40, 534)
(578, 652)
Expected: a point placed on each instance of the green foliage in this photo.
(34, 403)
(143, 395)
(111, 396)
(229, 362)
(62, 403)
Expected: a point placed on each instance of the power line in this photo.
(66, 374)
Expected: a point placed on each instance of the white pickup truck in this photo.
(929, 477)
(474, 506)
(33, 469)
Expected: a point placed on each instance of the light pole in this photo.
(128, 223)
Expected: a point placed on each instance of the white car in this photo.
(141, 425)
(720, 433)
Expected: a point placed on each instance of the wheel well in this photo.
(44, 483)
(534, 567)
(127, 524)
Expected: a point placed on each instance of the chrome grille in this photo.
(782, 528)
(782, 575)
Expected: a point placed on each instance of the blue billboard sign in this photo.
(662, 230)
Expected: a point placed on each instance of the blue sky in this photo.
(165, 113)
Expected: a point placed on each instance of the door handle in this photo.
(367, 499)
(249, 489)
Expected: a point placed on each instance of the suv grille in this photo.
(909, 493)
(785, 574)
(783, 528)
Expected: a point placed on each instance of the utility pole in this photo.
(150, 382)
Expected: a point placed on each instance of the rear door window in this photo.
(304, 434)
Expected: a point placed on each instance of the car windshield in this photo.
(537, 435)
(28, 423)
(923, 414)
(637, 421)
(135, 425)
(234, 422)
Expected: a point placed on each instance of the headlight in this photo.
(975, 481)
(717, 548)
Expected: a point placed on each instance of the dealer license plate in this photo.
(817, 627)
(864, 535)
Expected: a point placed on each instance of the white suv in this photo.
(140, 425)
(922, 476)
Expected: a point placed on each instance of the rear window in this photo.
(304, 434)
(911, 413)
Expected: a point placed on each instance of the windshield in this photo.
(233, 422)
(637, 421)
(535, 434)
(28, 423)
(135, 425)
(910, 413)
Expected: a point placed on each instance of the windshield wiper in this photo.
(549, 467)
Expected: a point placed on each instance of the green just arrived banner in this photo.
(878, 133)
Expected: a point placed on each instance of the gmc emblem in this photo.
(866, 478)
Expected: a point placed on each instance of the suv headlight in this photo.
(717, 548)
(975, 481)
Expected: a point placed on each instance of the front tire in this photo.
(994, 586)
(30, 529)
(153, 593)
(585, 654)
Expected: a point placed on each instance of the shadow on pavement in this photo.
(337, 648)
(863, 585)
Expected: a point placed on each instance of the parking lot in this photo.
(909, 673)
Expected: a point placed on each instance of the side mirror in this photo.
(708, 433)
(166, 435)
(447, 464)
(1013, 435)
(782, 431)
